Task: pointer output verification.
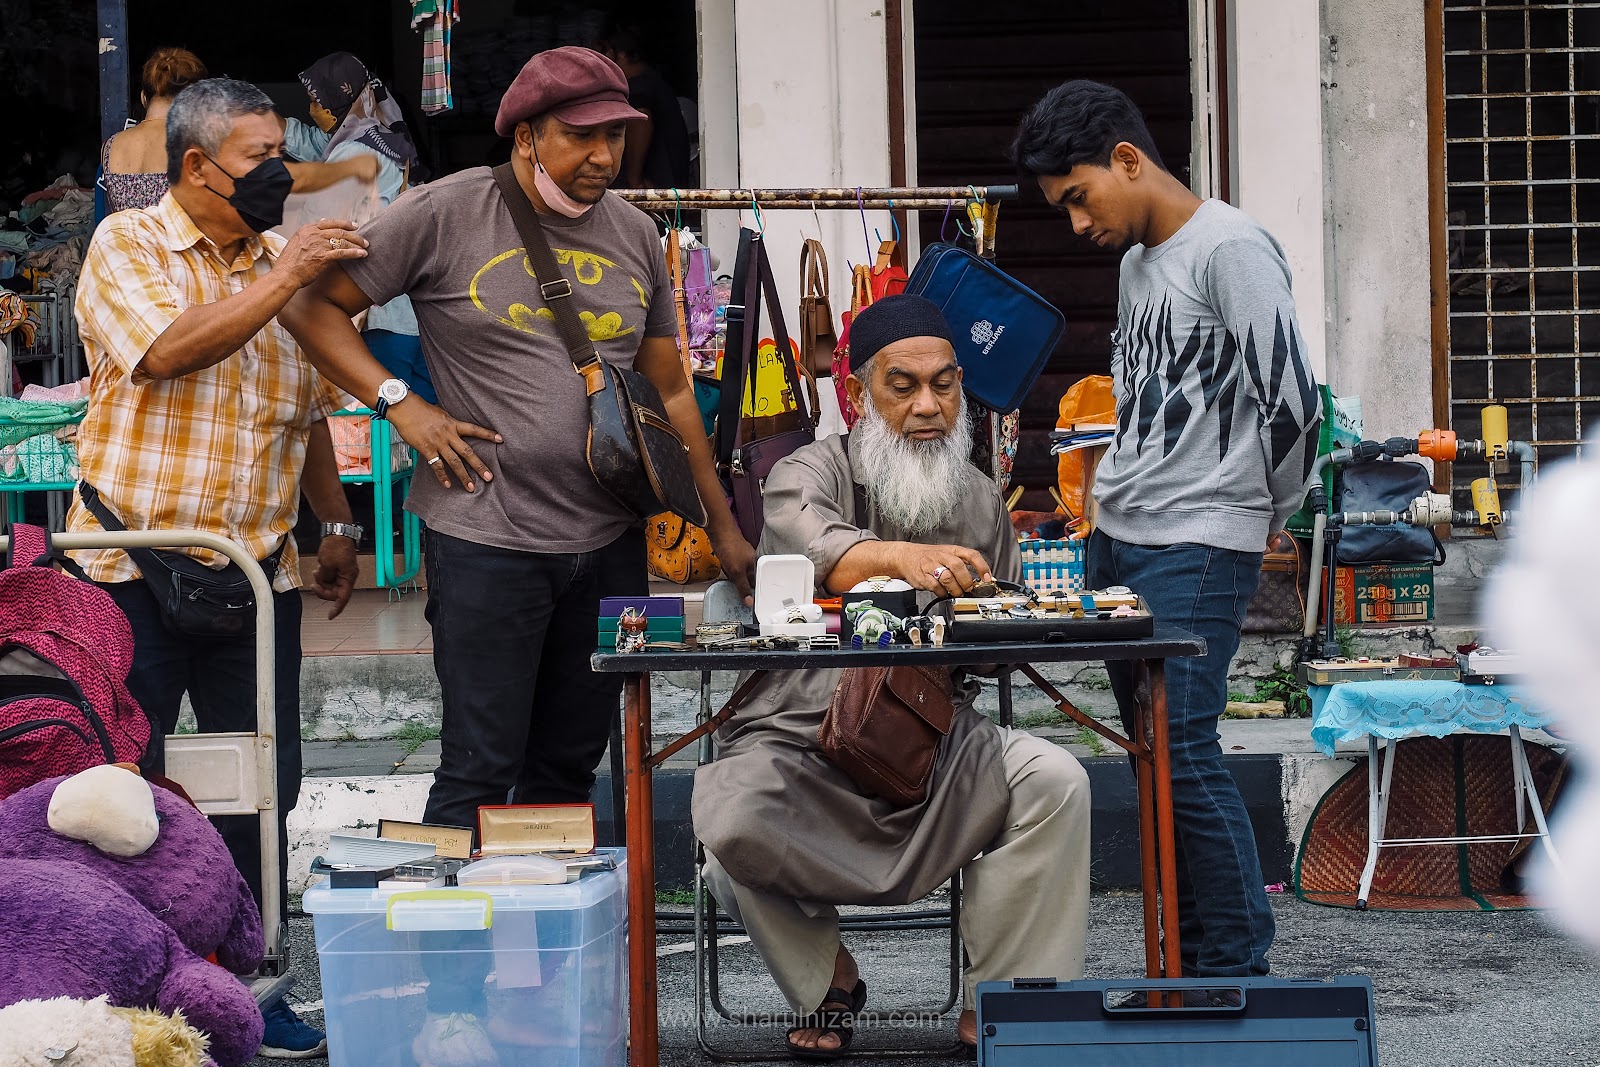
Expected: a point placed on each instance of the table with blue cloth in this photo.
(1396, 710)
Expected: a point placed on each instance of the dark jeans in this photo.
(220, 677)
(524, 717)
(1225, 922)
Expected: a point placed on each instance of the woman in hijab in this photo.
(355, 116)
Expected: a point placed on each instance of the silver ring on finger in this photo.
(436, 460)
(940, 572)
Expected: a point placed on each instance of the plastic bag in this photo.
(1088, 403)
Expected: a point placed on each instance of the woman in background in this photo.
(133, 164)
(356, 118)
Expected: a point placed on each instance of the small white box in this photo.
(783, 582)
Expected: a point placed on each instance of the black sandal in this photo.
(840, 1022)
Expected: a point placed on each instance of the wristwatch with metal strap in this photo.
(343, 529)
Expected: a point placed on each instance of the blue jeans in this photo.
(1225, 922)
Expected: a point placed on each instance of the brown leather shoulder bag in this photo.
(884, 727)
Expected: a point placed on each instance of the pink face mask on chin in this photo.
(554, 197)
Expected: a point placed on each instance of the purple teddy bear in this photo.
(129, 905)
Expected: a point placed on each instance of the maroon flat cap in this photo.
(579, 86)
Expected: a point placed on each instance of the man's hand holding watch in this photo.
(438, 436)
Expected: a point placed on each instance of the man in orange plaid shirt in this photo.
(203, 416)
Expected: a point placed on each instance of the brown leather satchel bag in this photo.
(884, 726)
(817, 338)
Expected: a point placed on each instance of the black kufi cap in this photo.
(894, 318)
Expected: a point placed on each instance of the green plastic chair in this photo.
(389, 489)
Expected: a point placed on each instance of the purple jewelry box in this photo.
(654, 607)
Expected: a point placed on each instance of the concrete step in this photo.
(350, 785)
(364, 697)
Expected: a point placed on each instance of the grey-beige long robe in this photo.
(779, 816)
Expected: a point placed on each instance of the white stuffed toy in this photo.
(64, 1032)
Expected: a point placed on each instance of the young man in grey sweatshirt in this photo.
(1217, 415)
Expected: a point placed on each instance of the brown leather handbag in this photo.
(634, 451)
(818, 338)
(884, 727)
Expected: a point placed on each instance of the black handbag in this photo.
(1385, 485)
(748, 448)
(195, 600)
(634, 452)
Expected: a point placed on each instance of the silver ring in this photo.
(939, 572)
(435, 459)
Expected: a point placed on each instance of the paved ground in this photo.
(1453, 989)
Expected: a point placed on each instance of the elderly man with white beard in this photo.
(788, 835)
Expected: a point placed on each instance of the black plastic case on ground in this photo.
(1255, 1022)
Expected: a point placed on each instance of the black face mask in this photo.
(258, 196)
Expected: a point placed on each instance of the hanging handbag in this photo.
(634, 452)
(744, 459)
(700, 294)
(867, 286)
(1003, 332)
(884, 726)
(818, 339)
(676, 550)
(860, 297)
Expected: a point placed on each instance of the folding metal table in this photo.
(1147, 746)
(1396, 710)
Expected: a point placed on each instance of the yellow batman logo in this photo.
(587, 268)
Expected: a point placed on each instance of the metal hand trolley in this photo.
(227, 773)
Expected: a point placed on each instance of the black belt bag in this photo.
(195, 600)
(634, 452)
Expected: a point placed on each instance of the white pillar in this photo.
(1277, 144)
(1379, 296)
(812, 111)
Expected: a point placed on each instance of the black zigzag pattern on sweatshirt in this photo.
(1154, 369)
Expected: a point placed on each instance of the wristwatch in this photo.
(390, 393)
(343, 529)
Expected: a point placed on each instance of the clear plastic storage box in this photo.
(542, 968)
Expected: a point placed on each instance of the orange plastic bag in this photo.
(1088, 404)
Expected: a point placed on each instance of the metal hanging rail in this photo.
(879, 199)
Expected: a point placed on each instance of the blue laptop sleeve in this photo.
(1004, 332)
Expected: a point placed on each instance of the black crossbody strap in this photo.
(554, 286)
(148, 559)
(743, 319)
(780, 337)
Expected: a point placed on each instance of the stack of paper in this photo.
(1080, 435)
